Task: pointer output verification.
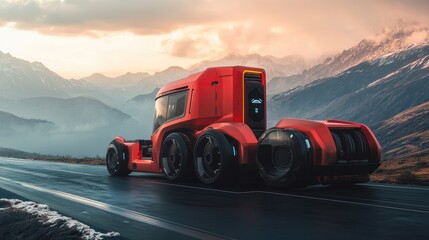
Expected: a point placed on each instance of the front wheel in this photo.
(214, 158)
(116, 159)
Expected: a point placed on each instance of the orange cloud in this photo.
(200, 29)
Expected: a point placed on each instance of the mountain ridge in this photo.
(389, 42)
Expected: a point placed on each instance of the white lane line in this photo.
(382, 201)
(81, 181)
(49, 169)
(394, 186)
(27, 172)
(200, 188)
(66, 171)
(300, 196)
(140, 217)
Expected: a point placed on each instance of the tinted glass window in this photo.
(176, 105)
(160, 112)
(169, 107)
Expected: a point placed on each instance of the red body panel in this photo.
(324, 149)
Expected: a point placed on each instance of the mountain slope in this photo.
(407, 133)
(11, 124)
(370, 92)
(394, 41)
(19, 78)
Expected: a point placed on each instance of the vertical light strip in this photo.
(244, 72)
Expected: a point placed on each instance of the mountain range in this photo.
(389, 42)
(377, 92)
(382, 82)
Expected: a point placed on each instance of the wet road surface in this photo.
(145, 206)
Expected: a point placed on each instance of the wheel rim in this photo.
(172, 162)
(112, 159)
(210, 162)
(275, 153)
(283, 158)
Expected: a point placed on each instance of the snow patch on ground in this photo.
(45, 216)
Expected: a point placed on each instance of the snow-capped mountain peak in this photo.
(388, 42)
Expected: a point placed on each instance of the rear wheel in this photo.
(175, 157)
(283, 158)
(214, 158)
(117, 159)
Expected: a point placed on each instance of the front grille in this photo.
(351, 145)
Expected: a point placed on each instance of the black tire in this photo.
(175, 157)
(283, 158)
(117, 159)
(214, 158)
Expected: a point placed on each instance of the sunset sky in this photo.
(76, 38)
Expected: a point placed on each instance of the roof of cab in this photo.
(183, 83)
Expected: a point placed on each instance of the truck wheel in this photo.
(117, 160)
(175, 157)
(283, 158)
(214, 158)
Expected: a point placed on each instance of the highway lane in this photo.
(145, 206)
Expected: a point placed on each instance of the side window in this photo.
(160, 112)
(169, 107)
(176, 105)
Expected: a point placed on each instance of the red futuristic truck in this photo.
(213, 123)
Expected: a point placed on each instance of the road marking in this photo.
(66, 171)
(27, 172)
(299, 196)
(381, 201)
(81, 181)
(45, 175)
(394, 186)
(200, 188)
(140, 217)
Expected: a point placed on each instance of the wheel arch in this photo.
(243, 136)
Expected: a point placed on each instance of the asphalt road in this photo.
(144, 206)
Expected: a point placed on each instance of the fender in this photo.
(324, 148)
(243, 135)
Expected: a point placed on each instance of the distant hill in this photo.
(145, 98)
(79, 114)
(11, 124)
(9, 152)
(141, 107)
